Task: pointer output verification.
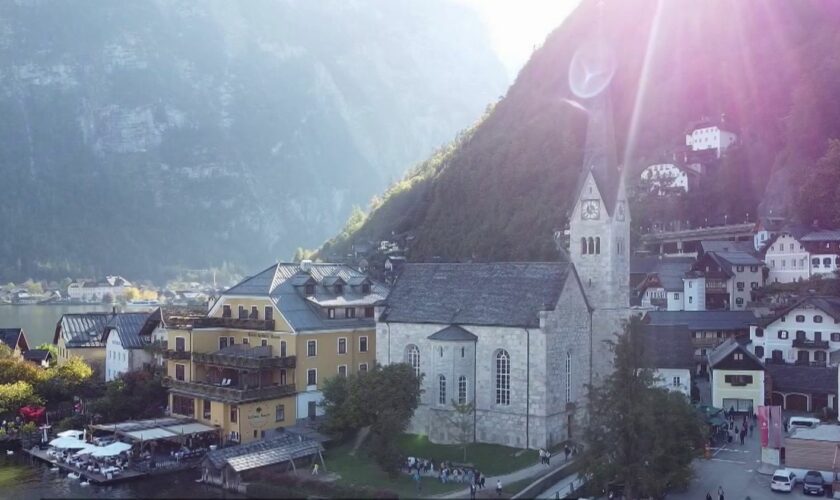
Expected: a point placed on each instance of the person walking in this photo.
(708, 496)
(483, 479)
(720, 493)
(567, 451)
(498, 487)
(542, 456)
(416, 478)
(547, 457)
(743, 435)
(315, 469)
(751, 429)
(472, 492)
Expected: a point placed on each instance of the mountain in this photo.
(501, 189)
(142, 137)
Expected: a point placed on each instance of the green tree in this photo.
(33, 287)
(53, 351)
(384, 398)
(638, 435)
(462, 420)
(134, 395)
(15, 395)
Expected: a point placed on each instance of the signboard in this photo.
(770, 426)
(764, 425)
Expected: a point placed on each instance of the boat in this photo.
(73, 475)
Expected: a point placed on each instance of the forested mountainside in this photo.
(137, 137)
(501, 189)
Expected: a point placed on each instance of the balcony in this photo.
(174, 354)
(228, 394)
(266, 325)
(715, 286)
(244, 362)
(801, 362)
(810, 344)
(706, 342)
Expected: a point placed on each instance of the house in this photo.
(797, 253)
(707, 329)
(807, 333)
(802, 388)
(666, 177)
(127, 338)
(177, 319)
(710, 135)
(14, 339)
(82, 335)
(736, 377)
(766, 228)
(663, 287)
(260, 357)
(98, 291)
(670, 353)
(520, 340)
(41, 357)
(722, 280)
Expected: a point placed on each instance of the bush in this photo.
(74, 422)
(288, 486)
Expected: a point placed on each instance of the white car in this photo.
(783, 480)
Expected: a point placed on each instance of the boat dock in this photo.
(93, 477)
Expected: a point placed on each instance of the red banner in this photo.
(775, 427)
(763, 425)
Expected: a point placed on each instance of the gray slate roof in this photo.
(828, 304)
(89, 329)
(12, 336)
(703, 320)
(807, 379)
(453, 333)
(726, 348)
(282, 448)
(501, 293)
(283, 283)
(668, 347)
(37, 355)
(671, 271)
(822, 235)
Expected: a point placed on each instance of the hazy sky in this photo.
(516, 26)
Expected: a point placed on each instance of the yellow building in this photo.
(258, 360)
(737, 378)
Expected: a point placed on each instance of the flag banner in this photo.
(764, 425)
(775, 427)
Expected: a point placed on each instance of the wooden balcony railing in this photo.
(229, 394)
(242, 324)
(810, 344)
(174, 354)
(244, 362)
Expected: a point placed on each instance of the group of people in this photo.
(545, 455)
(734, 431)
(720, 494)
(446, 472)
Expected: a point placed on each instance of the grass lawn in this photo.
(490, 459)
(362, 470)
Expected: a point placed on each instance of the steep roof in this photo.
(282, 448)
(719, 357)
(89, 329)
(13, 337)
(822, 235)
(807, 379)
(827, 304)
(668, 347)
(37, 355)
(599, 156)
(703, 320)
(282, 283)
(128, 327)
(501, 293)
(669, 273)
(453, 333)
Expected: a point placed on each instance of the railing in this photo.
(235, 361)
(244, 324)
(810, 344)
(232, 394)
(175, 354)
(820, 364)
(715, 286)
(707, 342)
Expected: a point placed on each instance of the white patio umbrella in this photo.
(111, 450)
(71, 433)
(68, 443)
(86, 450)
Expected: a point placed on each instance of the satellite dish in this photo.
(592, 69)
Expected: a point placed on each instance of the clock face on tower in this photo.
(619, 212)
(590, 209)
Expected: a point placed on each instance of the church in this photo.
(521, 341)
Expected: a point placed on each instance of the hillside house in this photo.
(708, 135)
(797, 253)
(722, 281)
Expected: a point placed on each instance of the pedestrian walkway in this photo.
(533, 471)
(564, 488)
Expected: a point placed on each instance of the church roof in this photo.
(498, 294)
(453, 333)
(599, 155)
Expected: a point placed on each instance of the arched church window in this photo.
(442, 393)
(583, 246)
(462, 390)
(598, 245)
(568, 377)
(412, 357)
(591, 245)
(502, 378)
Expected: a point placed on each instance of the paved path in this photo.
(563, 487)
(533, 471)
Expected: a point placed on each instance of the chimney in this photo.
(306, 265)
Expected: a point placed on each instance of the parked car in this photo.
(813, 483)
(802, 422)
(783, 480)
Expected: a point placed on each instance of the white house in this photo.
(797, 253)
(710, 136)
(663, 287)
(736, 378)
(126, 337)
(824, 251)
(662, 176)
(722, 280)
(805, 333)
(96, 291)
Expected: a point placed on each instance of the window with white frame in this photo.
(676, 382)
(462, 390)
(441, 390)
(568, 377)
(342, 370)
(312, 376)
(412, 357)
(363, 344)
(362, 367)
(311, 348)
(502, 378)
(342, 345)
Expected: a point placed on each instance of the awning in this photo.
(86, 450)
(150, 434)
(111, 450)
(193, 428)
(68, 443)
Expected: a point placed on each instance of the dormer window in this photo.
(349, 312)
(309, 289)
(339, 289)
(365, 288)
(331, 312)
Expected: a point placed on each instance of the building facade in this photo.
(259, 359)
(710, 137)
(97, 291)
(83, 335)
(736, 378)
(798, 253)
(722, 281)
(805, 333)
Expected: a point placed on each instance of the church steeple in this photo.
(600, 156)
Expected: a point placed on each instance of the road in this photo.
(734, 468)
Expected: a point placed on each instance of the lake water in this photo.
(39, 321)
(22, 478)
